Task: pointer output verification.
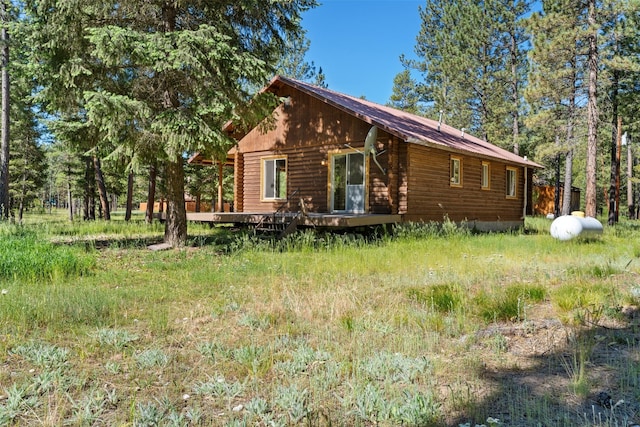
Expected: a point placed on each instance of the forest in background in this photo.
(108, 100)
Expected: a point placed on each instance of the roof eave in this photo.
(432, 144)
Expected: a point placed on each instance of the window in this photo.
(511, 182)
(455, 172)
(485, 180)
(274, 178)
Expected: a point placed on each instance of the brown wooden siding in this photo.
(306, 132)
(415, 182)
(403, 178)
(432, 198)
(238, 183)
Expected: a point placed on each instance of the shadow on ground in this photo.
(553, 375)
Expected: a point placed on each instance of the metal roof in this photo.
(406, 126)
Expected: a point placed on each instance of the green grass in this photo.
(426, 326)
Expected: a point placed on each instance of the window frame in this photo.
(485, 166)
(514, 172)
(455, 181)
(264, 161)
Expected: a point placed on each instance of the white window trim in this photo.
(515, 183)
(488, 167)
(452, 182)
(263, 162)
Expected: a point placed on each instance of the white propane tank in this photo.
(567, 227)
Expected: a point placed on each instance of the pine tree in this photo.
(621, 66)
(591, 202)
(555, 84)
(471, 57)
(5, 135)
(293, 63)
(187, 68)
(405, 94)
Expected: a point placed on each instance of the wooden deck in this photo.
(310, 220)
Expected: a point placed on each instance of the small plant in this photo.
(416, 409)
(115, 337)
(510, 303)
(88, 410)
(394, 367)
(370, 405)
(257, 323)
(150, 358)
(48, 381)
(194, 415)
(148, 414)
(17, 403)
(348, 322)
(301, 360)
(294, 402)
(220, 387)
(112, 367)
(214, 351)
(255, 359)
(257, 407)
(582, 341)
(43, 355)
(441, 298)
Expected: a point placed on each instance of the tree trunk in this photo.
(102, 190)
(70, 197)
(151, 193)
(129, 207)
(515, 96)
(630, 200)
(175, 228)
(556, 196)
(592, 115)
(175, 231)
(89, 191)
(568, 183)
(568, 165)
(69, 194)
(615, 164)
(4, 144)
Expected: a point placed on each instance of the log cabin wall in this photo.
(306, 131)
(238, 183)
(431, 197)
(415, 183)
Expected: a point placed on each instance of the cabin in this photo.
(330, 159)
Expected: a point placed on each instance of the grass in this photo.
(422, 326)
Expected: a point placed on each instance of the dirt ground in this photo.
(532, 368)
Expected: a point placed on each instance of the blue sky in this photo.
(358, 43)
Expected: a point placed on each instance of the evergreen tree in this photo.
(405, 95)
(471, 57)
(186, 66)
(591, 201)
(293, 63)
(4, 136)
(621, 67)
(555, 85)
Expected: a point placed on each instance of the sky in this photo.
(358, 43)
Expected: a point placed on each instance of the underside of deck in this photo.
(308, 220)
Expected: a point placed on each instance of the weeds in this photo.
(23, 256)
(43, 355)
(118, 339)
(152, 358)
(344, 329)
